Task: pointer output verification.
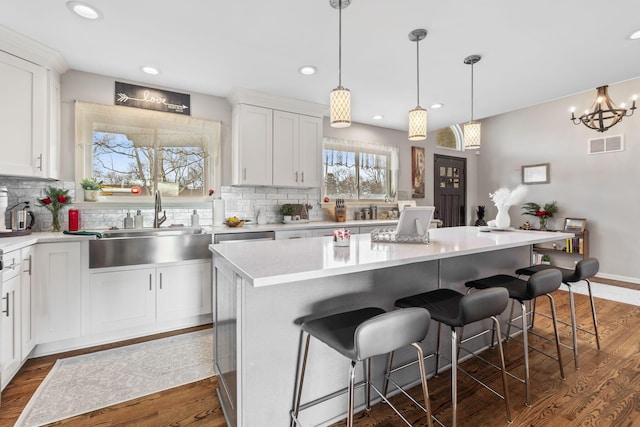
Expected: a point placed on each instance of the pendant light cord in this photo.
(340, 43)
(472, 91)
(418, 70)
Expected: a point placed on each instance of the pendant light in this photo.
(472, 131)
(340, 98)
(417, 116)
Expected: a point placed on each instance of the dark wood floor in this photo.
(604, 392)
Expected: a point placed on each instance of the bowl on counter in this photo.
(235, 224)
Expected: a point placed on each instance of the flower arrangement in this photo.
(55, 199)
(542, 212)
(503, 197)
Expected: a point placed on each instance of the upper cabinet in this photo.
(29, 117)
(276, 141)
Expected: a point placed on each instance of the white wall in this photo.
(601, 188)
(99, 89)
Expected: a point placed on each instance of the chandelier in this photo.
(603, 114)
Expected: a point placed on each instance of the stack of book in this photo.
(574, 245)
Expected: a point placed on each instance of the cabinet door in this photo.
(310, 152)
(10, 323)
(122, 299)
(27, 330)
(58, 291)
(184, 291)
(317, 232)
(286, 137)
(23, 116)
(253, 145)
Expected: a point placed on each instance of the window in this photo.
(133, 151)
(451, 137)
(358, 171)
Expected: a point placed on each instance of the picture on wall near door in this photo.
(417, 172)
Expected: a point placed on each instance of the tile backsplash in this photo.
(243, 202)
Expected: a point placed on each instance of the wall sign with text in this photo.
(152, 99)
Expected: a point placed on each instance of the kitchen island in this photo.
(264, 290)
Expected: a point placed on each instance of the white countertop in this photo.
(264, 263)
(12, 243)
(299, 225)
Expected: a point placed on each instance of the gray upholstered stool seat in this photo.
(540, 283)
(456, 310)
(584, 270)
(359, 335)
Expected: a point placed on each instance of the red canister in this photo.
(74, 219)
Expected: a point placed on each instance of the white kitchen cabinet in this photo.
(28, 332)
(297, 150)
(135, 297)
(317, 232)
(58, 290)
(184, 291)
(23, 116)
(122, 299)
(252, 145)
(11, 359)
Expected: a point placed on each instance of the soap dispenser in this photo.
(128, 221)
(195, 219)
(139, 220)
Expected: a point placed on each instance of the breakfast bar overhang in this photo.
(263, 290)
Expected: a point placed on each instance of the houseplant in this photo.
(55, 199)
(91, 188)
(287, 211)
(542, 212)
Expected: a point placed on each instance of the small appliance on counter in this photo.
(21, 220)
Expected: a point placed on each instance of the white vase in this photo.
(91, 195)
(503, 220)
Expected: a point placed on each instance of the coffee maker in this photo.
(21, 219)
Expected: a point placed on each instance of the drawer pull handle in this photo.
(7, 310)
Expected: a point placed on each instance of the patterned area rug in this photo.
(81, 384)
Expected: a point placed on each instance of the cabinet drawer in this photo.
(12, 262)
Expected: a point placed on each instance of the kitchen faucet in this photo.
(157, 220)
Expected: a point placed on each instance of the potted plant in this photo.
(91, 189)
(542, 212)
(287, 211)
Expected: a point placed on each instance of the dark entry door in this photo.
(450, 195)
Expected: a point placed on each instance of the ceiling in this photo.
(532, 52)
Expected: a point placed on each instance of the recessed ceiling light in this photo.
(436, 106)
(378, 117)
(84, 10)
(150, 70)
(308, 70)
(635, 36)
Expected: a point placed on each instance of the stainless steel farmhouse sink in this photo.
(148, 246)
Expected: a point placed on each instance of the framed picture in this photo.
(535, 174)
(574, 225)
(417, 172)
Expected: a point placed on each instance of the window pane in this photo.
(182, 171)
(120, 164)
(340, 174)
(374, 172)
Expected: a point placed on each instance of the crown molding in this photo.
(260, 99)
(18, 45)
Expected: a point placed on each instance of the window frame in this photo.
(86, 114)
(358, 148)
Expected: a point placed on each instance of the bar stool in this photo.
(541, 283)
(584, 270)
(359, 335)
(456, 310)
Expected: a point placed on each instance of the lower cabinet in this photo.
(27, 326)
(133, 297)
(58, 296)
(10, 358)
